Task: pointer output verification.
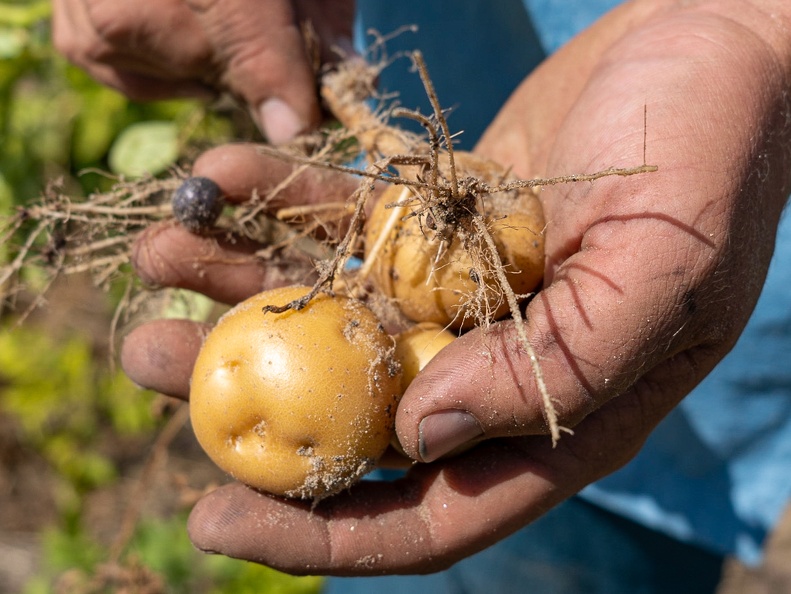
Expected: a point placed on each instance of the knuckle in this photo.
(109, 26)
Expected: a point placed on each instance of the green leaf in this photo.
(24, 15)
(12, 42)
(145, 148)
(184, 304)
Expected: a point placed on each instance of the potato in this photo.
(418, 345)
(300, 403)
(443, 290)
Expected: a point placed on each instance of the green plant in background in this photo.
(163, 559)
(64, 400)
(55, 120)
(58, 126)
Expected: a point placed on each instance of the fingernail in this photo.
(279, 121)
(442, 432)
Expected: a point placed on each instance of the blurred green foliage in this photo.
(55, 122)
(164, 549)
(62, 398)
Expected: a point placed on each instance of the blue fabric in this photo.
(458, 40)
(717, 471)
(556, 21)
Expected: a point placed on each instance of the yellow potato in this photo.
(432, 281)
(415, 348)
(298, 404)
(418, 345)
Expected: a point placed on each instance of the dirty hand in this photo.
(649, 281)
(152, 49)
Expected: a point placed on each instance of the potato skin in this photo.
(298, 404)
(417, 346)
(431, 290)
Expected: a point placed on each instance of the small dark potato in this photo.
(197, 204)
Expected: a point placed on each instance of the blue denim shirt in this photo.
(717, 471)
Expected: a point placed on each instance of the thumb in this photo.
(260, 56)
(478, 387)
(483, 384)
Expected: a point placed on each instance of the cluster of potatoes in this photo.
(302, 403)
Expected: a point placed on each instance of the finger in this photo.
(225, 270)
(438, 514)
(483, 387)
(242, 170)
(332, 23)
(123, 46)
(73, 33)
(154, 37)
(159, 355)
(140, 87)
(423, 523)
(261, 57)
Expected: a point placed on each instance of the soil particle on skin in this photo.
(350, 331)
(260, 429)
(305, 451)
(368, 561)
(329, 476)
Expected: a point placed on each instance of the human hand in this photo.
(152, 49)
(649, 281)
